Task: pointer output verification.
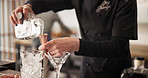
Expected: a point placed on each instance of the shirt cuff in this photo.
(84, 49)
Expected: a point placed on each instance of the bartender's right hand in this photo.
(25, 9)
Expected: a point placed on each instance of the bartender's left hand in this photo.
(57, 46)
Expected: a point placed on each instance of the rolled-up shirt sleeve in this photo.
(39, 6)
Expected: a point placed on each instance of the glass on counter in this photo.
(137, 71)
(31, 64)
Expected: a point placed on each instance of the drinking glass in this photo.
(57, 62)
(31, 64)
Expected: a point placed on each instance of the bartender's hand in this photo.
(25, 9)
(57, 46)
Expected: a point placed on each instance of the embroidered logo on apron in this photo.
(105, 5)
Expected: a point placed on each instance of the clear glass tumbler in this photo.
(31, 64)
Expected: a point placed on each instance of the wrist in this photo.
(77, 45)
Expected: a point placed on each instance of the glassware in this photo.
(30, 28)
(138, 71)
(31, 64)
(57, 62)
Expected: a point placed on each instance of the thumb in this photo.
(41, 47)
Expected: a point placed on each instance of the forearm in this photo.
(114, 48)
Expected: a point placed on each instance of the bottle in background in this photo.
(137, 71)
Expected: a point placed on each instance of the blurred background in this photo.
(62, 24)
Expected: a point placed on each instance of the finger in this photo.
(27, 9)
(45, 46)
(16, 76)
(42, 47)
(12, 21)
(25, 12)
(52, 48)
(19, 76)
(57, 55)
(19, 9)
(54, 52)
(49, 44)
(14, 17)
